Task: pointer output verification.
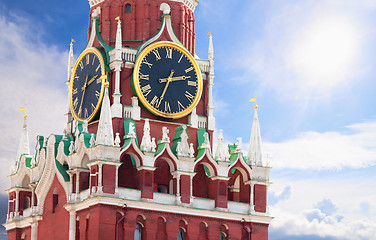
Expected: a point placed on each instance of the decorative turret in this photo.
(254, 151)
(105, 135)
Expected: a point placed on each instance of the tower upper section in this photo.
(142, 18)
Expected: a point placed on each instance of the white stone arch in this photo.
(48, 174)
(212, 166)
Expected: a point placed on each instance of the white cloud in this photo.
(328, 150)
(34, 74)
(290, 224)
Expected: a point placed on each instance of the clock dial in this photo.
(167, 80)
(87, 85)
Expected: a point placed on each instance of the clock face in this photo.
(167, 80)
(87, 85)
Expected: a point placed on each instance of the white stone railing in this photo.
(203, 64)
(129, 55)
(203, 203)
(164, 198)
(84, 194)
(131, 194)
(238, 207)
(202, 121)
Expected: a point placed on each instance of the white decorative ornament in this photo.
(165, 138)
(178, 149)
(96, 12)
(85, 126)
(117, 140)
(165, 8)
(146, 139)
(92, 140)
(71, 148)
(239, 145)
(153, 145)
(184, 145)
(206, 143)
(191, 151)
(131, 133)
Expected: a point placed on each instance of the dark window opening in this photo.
(128, 8)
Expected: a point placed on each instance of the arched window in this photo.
(137, 232)
(27, 202)
(181, 235)
(128, 8)
(222, 236)
(55, 199)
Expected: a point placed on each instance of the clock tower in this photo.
(136, 160)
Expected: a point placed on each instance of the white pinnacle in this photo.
(254, 151)
(105, 135)
(23, 147)
(220, 153)
(146, 139)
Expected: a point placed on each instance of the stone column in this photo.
(100, 175)
(34, 231)
(17, 204)
(72, 225)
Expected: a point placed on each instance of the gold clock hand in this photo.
(162, 80)
(82, 98)
(92, 80)
(164, 90)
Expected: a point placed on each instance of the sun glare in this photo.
(325, 53)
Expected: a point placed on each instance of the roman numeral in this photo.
(189, 96)
(92, 107)
(87, 59)
(192, 83)
(180, 106)
(97, 68)
(147, 63)
(188, 70)
(79, 111)
(75, 103)
(167, 107)
(97, 94)
(169, 53)
(156, 53)
(74, 91)
(81, 65)
(146, 90)
(99, 80)
(93, 61)
(181, 57)
(86, 113)
(144, 77)
(154, 101)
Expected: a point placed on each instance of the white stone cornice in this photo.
(26, 222)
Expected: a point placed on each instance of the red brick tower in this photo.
(137, 160)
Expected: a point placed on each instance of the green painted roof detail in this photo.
(100, 39)
(40, 140)
(200, 153)
(67, 144)
(233, 170)
(127, 121)
(233, 157)
(207, 171)
(177, 138)
(87, 137)
(200, 137)
(232, 147)
(28, 161)
(161, 146)
(127, 142)
(63, 170)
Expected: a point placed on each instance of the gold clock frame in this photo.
(103, 72)
(137, 88)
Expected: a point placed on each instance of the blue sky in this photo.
(310, 64)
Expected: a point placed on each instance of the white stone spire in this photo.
(23, 147)
(117, 107)
(211, 54)
(255, 151)
(69, 75)
(221, 153)
(105, 135)
(210, 107)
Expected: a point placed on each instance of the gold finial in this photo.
(256, 107)
(72, 41)
(106, 84)
(25, 116)
(252, 100)
(209, 34)
(117, 18)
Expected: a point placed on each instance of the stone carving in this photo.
(165, 138)
(131, 133)
(117, 140)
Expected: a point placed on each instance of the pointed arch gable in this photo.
(207, 160)
(134, 151)
(167, 155)
(240, 165)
